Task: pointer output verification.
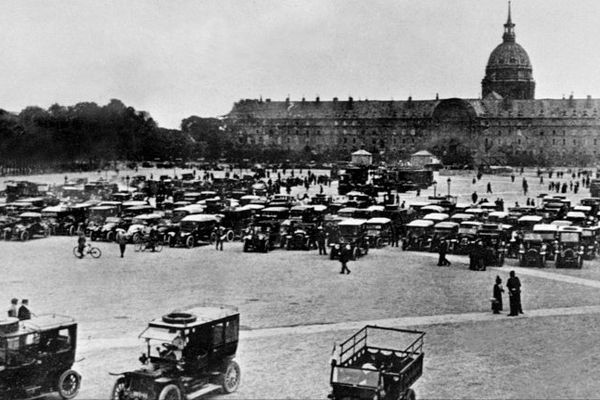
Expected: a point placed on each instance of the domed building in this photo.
(506, 125)
(508, 72)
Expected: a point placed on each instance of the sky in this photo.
(177, 58)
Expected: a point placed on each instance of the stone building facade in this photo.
(507, 125)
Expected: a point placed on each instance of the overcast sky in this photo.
(179, 58)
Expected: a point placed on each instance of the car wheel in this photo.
(245, 249)
(110, 236)
(6, 235)
(189, 242)
(92, 236)
(170, 392)
(118, 390)
(410, 395)
(230, 236)
(71, 230)
(379, 243)
(355, 254)
(136, 237)
(231, 377)
(265, 247)
(68, 384)
(24, 236)
(47, 232)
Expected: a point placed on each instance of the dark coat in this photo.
(24, 313)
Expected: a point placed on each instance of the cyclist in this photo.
(81, 244)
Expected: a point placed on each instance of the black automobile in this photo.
(195, 229)
(300, 236)
(28, 225)
(570, 251)
(353, 233)
(188, 354)
(263, 236)
(60, 220)
(37, 356)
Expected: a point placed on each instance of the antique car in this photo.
(359, 200)
(96, 217)
(461, 217)
(498, 217)
(235, 220)
(108, 230)
(307, 213)
(418, 235)
(493, 238)
(352, 232)
(60, 219)
(570, 251)
(141, 225)
(194, 229)
(282, 200)
(589, 240)
(189, 354)
(436, 217)
(299, 236)
(37, 356)
(379, 232)
(445, 230)
(467, 232)
(533, 252)
(28, 225)
(377, 363)
(548, 233)
(264, 235)
(274, 213)
(578, 218)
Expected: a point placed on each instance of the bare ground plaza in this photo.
(295, 306)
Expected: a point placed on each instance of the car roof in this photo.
(200, 218)
(192, 208)
(203, 314)
(530, 218)
(148, 216)
(376, 208)
(275, 209)
(352, 222)
(421, 223)
(436, 216)
(545, 228)
(379, 220)
(500, 214)
(576, 214)
(446, 224)
(134, 203)
(42, 322)
(56, 209)
(30, 215)
(471, 223)
(101, 208)
(570, 229)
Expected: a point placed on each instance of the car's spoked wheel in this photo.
(68, 384)
(170, 392)
(231, 377)
(118, 391)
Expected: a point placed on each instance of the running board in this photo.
(210, 387)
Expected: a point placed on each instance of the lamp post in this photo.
(434, 188)
(449, 180)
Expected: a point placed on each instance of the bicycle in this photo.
(92, 251)
(143, 245)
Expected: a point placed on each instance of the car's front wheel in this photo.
(68, 384)
(231, 377)
(119, 389)
(189, 242)
(170, 392)
(24, 236)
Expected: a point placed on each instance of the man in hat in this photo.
(122, 240)
(81, 244)
(24, 312)
(514, 293)
(442, 250)
(321, 239)
(344, 258)
(12, 311)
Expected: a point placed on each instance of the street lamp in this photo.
(449, 180)
(434, 188)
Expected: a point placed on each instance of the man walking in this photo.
(514, 292)
(122, 240)
(344, 258)
(442, 250)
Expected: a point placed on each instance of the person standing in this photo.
(395, 238)
(218, 238)
(122, 240)
(12, 310)
(489, 187)
(474, 197)
(81, 244)
(497, 296)
(24, 312)
(321, 241)
(514, 292)
(442, 250)
(344, 258)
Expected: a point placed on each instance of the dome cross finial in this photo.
(509, 28)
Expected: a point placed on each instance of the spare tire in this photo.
(179, 318)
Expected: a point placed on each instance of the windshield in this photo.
(356, 377)
(188, 226)
(570, 237)
(113, 220)
(349, 230)
(467, 231)
(546, 236)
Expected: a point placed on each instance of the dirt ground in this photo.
(114, 298)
